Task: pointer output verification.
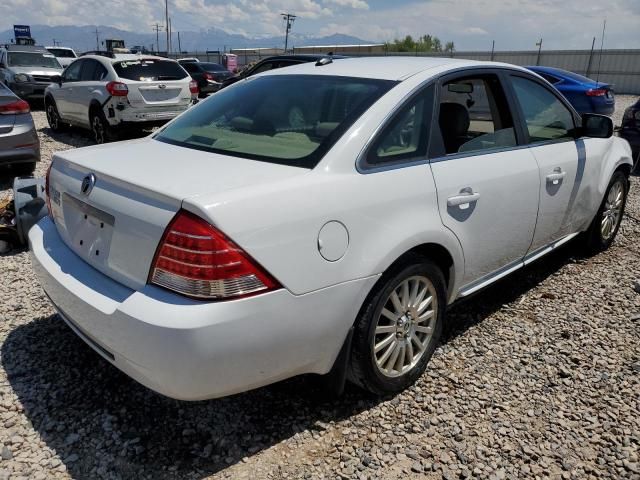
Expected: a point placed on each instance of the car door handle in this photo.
(555, 177)
(467, 195)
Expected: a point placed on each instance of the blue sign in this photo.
(22, 31)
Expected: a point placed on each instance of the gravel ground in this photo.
(538, 376)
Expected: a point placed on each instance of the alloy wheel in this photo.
(405, 326)
(612, 213)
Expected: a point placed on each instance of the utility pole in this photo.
(97, 39)
(493, 47)
(179, 44)
(166, 21)
(170, 47)
(157, 27)
(539, 45)
(288, 23)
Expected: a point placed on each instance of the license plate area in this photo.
(89, 229)
(159, 95)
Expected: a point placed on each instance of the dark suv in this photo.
(28, 70)
(278, 61)
(630, 130)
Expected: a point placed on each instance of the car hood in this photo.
(36, 70)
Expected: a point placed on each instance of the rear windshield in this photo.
(32, 59)
(275, 119)
(149, 70)
(575, 77)
(211, 67)
(62, 52)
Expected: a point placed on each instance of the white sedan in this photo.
(320, 218)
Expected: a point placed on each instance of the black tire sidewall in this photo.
(371, 378)
(49, 102)
(107, 131)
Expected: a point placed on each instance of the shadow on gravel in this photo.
(68, 391)
(79, 137)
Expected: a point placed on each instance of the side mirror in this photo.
(596, 126)
(56, 79)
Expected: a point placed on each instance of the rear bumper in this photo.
(142, 115)
(20, 145)
(188, 349)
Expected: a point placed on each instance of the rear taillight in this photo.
(47, 190)
(596, 92)
(193, 86)
(196, 259)
(117, 89)
(14, 108)
(209, 76)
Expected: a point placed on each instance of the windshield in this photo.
(146, 70)
(32, 59)
(62, 52)
(275, 119)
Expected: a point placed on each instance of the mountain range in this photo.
(83, 38)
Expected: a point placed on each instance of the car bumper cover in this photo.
(188, 349)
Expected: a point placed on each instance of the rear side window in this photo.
(275, 119)
(93, 71)
(549, 78)
(149, 70)
(547, 118)
(405, 137)
(62, 52)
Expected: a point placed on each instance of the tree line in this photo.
(425, 43)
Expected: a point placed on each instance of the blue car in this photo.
(586, 95)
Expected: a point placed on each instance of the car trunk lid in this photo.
(131, 191)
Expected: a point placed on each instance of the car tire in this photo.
(101, 131)
(606, 223)
(53, 117)
(24, 169)
(392, 342)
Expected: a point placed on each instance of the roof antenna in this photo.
(604, 26)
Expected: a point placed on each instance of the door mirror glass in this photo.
(596, 126)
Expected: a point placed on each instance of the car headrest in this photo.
(454, 119)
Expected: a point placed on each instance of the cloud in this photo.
(355, 4)
(475, 31)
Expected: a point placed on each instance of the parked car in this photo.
(277, 61)
(208, 75)
(19, 144)
(64, 55)
(586, 95)
(267, 232)
(630, 130)
(108, 93)
(27, 70)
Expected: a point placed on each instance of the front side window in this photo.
(263, 68)
(147, 70)
(405, 137)
(72, 73)
(474, 115)
(275, 119)
(32, 59)
(547, 118)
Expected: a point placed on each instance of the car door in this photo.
(89, 87)
(488, 185)
(63, 95)
(550, 129)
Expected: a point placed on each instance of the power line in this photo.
(288, 23)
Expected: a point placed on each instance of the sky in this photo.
(470, 24)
